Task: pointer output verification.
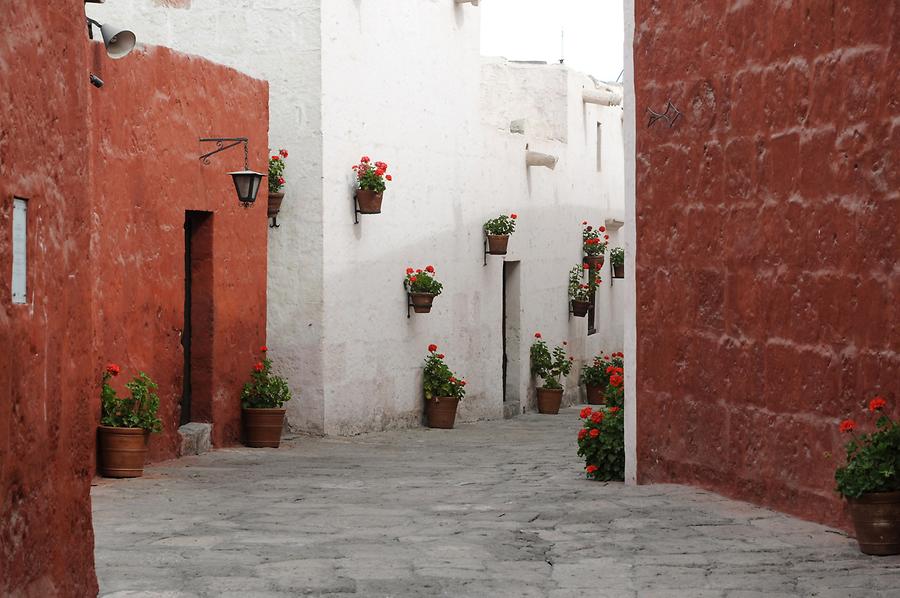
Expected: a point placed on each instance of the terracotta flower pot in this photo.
(595, 261)
(262, 427)
(580, 308)
(618, 270)
(122, 451)
(368, 201)
(549, 400)
(498, 244)
(275, 199)
(594, 395)
(441, 412)
(422, 302)
(876, 517)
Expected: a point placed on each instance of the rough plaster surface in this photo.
(147, 174)
(489, 509)
(767, 227)
(345, 81)
(46, 380)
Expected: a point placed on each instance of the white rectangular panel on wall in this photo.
(19, 245)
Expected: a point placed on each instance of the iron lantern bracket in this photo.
(221, 147)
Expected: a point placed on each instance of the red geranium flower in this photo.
(595, 432)
(586, 412)
(389, 177)
(113, 369)
(602, 229)
(462, 382)
(429, 269)
(452, 380)
(597, 417)
(877, 403)
(276, 158)
(584, 222)
(418, 271)
(432, 348)
(513, 216)
(263, 349)
(364, 159)
(440, 355)
(606, 237)
(259, 366)
(613, 409)
(847, 425)
(537, 335)
(591, 468)
(409, 270)
(281, 180)
(412, 279)
(582, 433)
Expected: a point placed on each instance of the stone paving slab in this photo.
(492, 509)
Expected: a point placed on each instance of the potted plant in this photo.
(370, 183)
(594, 242)
(617, 261)
(276, 182)
(581, 294)
(549, 366)
(125, 424)
(498, 231)
(262, 400)
(601, 441)
(443, 391)
(594, 378)
(870, 481)
(422, 287)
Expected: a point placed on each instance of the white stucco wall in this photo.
(411, 90)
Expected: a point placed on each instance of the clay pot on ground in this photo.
(595, 261)
(876, 517)
(594, 395)
(422, 302)
(262, 427)
(549, 400)
(498, 244)
(369, 202)
(580, 308)
(122, 451)
(441, 412)
(618, 270)
(275, 199)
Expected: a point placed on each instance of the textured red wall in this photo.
(155, 106)
(767, 223)
(46, 367)
(109, 174)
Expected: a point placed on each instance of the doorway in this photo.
(197, 332)
(512, 340)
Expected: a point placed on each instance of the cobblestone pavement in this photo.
(493, 509)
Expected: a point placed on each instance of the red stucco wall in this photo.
(46, 377)
(155, 106)
(109, 173)
(767, 245)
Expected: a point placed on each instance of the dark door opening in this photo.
(196, 338)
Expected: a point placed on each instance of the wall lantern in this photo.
(119, 42)
(246, 182)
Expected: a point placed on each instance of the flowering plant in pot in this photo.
(498, 231)
(595, 377)
(371, 181)
(581, 294)
(870, 481)
(125, 424)
(422, 287)
(443, 390)
(617, 261)
(615, 389)
(601, 441)
(276, 181)
(550, 366)
(594, 242)
(262, 400)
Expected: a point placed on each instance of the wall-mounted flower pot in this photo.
(369, 201)
(498, 244)
(876, 517)
(594, 395)
(422, 302)
(441, 412)
(549, 400)
(262, 427)
(595, 261)
(275, 199)
(580, 308)
(122, 451)
(618, 270)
